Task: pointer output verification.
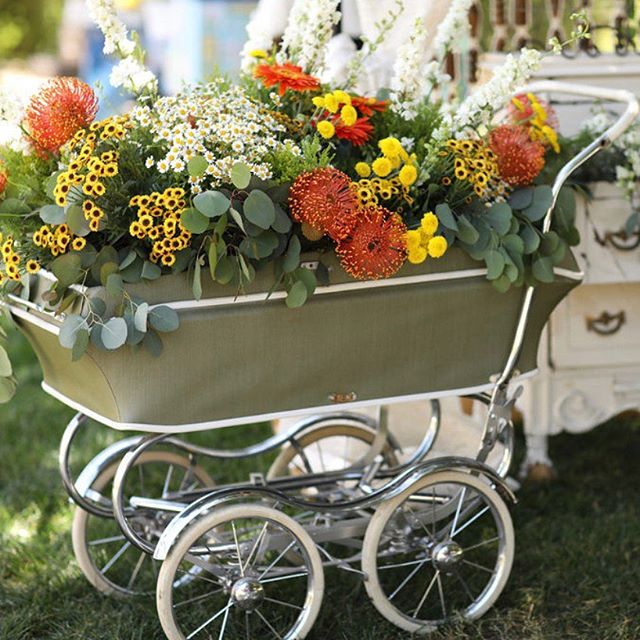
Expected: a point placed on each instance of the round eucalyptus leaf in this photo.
(164, 319)
(80, 345)
(76, 221)
(69, 329)
(197, 166)
(7, 389)
(240, 175)
(140, 317)
(194, 221)
(5, 364)
(114, 333)
(211, 204)
(297, 295)
(152, 343)
(495, 264)
(259, 209)
(52, 214)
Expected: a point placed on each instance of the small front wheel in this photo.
(245, 583)
(439, 551)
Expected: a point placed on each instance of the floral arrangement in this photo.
(225, 179)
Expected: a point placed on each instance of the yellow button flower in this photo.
(348, 115)
(417, 255)
(437, 247)
(363, 169)
(390, 147)
(408, 175)
(413, 239)
(381, 167)
(429, 223)
(331, 103)
(326, 129)
(258, 53)
(342, 96)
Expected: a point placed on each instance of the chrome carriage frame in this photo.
(393, 518)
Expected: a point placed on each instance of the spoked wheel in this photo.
(440, 551)
(331, 447)
(244, 585)
(107, 559)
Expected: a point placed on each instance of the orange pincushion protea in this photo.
(287, 76)
(3, 181)
(325, 200)
(376, 247)
(58, 110)
(520, 159)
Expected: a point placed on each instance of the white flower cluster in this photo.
(453, 30)
(309, 29)
(628, 173)
(12, 108)
(407, 83)
(129, 73)
(221, 125)
(259, 37)
(132, 75)
(479, 108)
(116, 37)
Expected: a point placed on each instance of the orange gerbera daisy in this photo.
(376, 246)
(367, 106)
(357, 134)
(286, 76)
(58, 110)
(520, 159)
(324, 199)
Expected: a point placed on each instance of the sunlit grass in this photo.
(575, 574)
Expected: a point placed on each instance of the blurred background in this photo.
(187, 39)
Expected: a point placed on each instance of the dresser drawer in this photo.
(597, 325)
(609, 254)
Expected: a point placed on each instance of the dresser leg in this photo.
(537, 466)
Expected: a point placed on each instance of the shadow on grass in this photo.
(576, 573)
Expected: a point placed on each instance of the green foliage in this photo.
(29, 27)
(287, 165)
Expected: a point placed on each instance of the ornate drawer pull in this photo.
(343, 397)
(621, 240)
(606, 324)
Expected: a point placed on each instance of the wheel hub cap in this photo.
(247, 593)
(447, 555)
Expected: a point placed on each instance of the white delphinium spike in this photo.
(453, 30)
(130, 72)
(407, 84)
(480, 107)
(12, 108)
(309, 29)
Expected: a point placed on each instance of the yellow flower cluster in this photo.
(159, 221)
(334, 102)
(476, 164)
(423, 243)
(12, 261)
(395, 172)
(58, 239)
(86, 171)
(539, 128)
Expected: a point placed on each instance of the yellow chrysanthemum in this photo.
(363, 169)
(331, 103)
(342, 96)
(381, 167)
(326, 129)
(348, 115)
(390, 147)
(408, 175)
(437, 247)
(318, 101)
(413, 239)
(417, 255)
(429, 223)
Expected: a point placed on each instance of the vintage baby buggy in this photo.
(432, 539)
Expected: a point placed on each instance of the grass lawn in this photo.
(576, 572)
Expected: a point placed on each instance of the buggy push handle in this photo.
(602, 141)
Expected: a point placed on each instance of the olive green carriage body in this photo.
(434, 329)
